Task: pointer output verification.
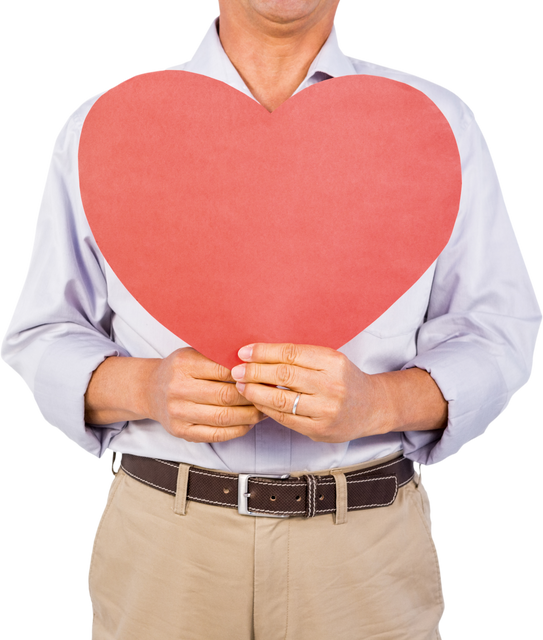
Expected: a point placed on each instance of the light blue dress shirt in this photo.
(470, 321)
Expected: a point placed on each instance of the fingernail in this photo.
(245, 353)
(238, 372)
(240, 386)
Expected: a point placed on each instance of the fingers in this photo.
(204, 433)
(207, 423)
(194, 399)
(209, 392)
(300, 355)
(302, 368)
(194, 364)
(220, 393)
(213, 416)
(282, 375)
(282, 400)
(194, 377)
(201, 420)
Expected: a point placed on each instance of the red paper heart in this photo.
(231, 225)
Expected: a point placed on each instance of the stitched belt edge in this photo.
(303, 496)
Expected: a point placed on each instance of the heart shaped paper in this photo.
(233, 225)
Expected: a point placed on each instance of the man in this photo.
(173, 400)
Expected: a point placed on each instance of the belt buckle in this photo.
(243, 495)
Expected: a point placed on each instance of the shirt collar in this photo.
(330, 61)
(211, 60)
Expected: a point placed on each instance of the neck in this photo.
(272, 55)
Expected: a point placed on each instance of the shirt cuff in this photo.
(61, 382)
(474, 400)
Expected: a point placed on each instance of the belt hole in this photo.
(226, 490)
(321, 497)
(298, 498)
(272, 497)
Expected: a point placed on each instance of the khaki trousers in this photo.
(213, 574)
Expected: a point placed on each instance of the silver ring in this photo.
(296, 404)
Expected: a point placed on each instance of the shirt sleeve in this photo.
(482, 319)
(60, 331)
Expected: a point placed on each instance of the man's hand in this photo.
(191, 396)
(338, 402)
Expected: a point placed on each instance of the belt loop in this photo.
(341, 496)
(418, 478)
(180, 505)
(114, 459)
(311, 502)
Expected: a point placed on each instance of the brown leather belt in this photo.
(276, 496)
